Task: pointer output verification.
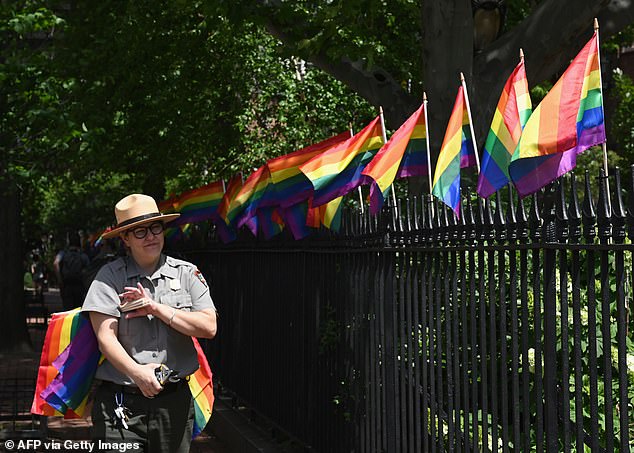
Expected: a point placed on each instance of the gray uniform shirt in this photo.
(147, 339)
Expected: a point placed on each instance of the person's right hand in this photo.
(146, 380)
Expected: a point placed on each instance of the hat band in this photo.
(139, 218)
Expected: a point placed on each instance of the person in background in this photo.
(38, 271)
(69, 266)
(131, 404)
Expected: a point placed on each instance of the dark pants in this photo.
(73, 294)
(160, 424)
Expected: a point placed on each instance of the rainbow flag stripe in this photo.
(512, 112)
(337, 171)
(291, 184)
(568, 121)
(405, 154)
(199, 204)
(456, 152)
(69, 361)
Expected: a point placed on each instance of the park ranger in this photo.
(144, 309)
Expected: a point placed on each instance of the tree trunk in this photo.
(447, 51)
(15, 336)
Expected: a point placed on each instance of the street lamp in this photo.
(488, 18)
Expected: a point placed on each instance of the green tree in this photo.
(160, 96)
(374, 47)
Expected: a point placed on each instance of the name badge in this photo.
(175, 284)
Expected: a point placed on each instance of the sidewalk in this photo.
(21, 369)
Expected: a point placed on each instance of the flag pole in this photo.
(466, 98)
(358, 188)
(385, 141)
(427, 146)
(604, 145)
(427, 140)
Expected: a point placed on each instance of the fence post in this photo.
(390, 356)
(550, 322)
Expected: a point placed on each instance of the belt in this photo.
(168, 388)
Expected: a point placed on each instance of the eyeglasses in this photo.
(156, 228)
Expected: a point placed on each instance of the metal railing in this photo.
(507, 329)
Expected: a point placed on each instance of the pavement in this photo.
(18, 372)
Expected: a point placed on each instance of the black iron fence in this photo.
(508, 329)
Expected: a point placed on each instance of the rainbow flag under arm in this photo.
(61, 328)
(405, 154)
(199, 204)
(456, 152)
(290, 183)
(70, 357)
(202, 389)
(77, 364)
(338, 170)
(511, 114)
(568, 121)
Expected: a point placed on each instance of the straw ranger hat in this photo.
(134, 210)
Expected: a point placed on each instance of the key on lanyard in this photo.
(121, 411)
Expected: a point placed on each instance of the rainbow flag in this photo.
(512, 112)
(167, 206)
(290, 183)
(76, 366)
(61, 329)
(405, 154)
(337, 171)
(69, 361)
(270, 221)
(201, 387)
(456, 152)
(199, 204)
(328, 215)
(295, 219)
(568, 121)
(232, 190)
(245, 204)
(225, 232)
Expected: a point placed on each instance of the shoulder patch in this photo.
(199, 274)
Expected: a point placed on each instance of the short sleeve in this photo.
(199, 290)
(102, 295)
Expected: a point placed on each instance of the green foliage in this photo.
(623, 118)
(157, 97)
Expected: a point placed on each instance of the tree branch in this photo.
(375, 85)
(551, 36)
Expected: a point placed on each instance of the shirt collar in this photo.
(133, 270)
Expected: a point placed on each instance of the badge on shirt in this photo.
(175, 284)
(199, 274)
